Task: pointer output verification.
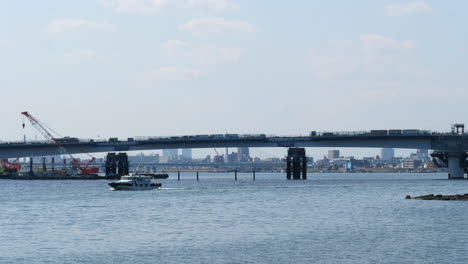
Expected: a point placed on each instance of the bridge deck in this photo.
(420, 140)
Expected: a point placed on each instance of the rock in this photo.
(440, 197)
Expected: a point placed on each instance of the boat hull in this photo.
(115, 186)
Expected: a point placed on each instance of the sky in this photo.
(124, 68)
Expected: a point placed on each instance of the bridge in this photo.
(450, 148)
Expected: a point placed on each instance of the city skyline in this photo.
(265, 153)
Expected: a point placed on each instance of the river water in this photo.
(330, 218)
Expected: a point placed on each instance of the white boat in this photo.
(134, 183)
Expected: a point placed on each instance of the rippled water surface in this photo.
(330, 218)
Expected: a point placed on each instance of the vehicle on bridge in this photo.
(394, 131)
(67, 140)
(379, 132)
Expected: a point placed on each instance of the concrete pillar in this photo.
(31, 169)
(455, 167)
(296, 164)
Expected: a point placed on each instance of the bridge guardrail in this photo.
(390, 132)
(227, 137)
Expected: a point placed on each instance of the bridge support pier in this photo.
(117, 164)
(456, 165)
(296, 164)
(31, 169)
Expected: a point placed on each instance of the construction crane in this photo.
(84, 167)
(41, 127)
(10, 167)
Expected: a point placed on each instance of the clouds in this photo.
(154, 7)
(372, 43)
(192, 60)
(80, 56)
(407, 9)
(67, 25)
(370, 55)
(168, 74)
(200, 54)
(188, 59)
(216, 25)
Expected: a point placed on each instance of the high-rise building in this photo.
(387, 153)
(170, 152)
(187, 153)
(333, 154)
(232, 157)
(226, 156)
(423, 154)
(243, 154)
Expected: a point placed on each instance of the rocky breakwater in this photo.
(440, 197)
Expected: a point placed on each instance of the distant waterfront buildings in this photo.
(232, 157)
(144, 159)
(411, 163)
(387, 154)
(423, 154)
(333, 154)
(218, 159)
(187, 154)
(169, 155)
(226, 156)
(415, 162)
(170, 152)
(243, 154)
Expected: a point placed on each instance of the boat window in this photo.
(141, 185)
(146, 185)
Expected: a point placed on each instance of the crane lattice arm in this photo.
(44, 132)
(83, 167)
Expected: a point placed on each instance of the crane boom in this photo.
(83, 167)
(44, 132)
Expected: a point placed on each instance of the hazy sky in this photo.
(171, 67)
